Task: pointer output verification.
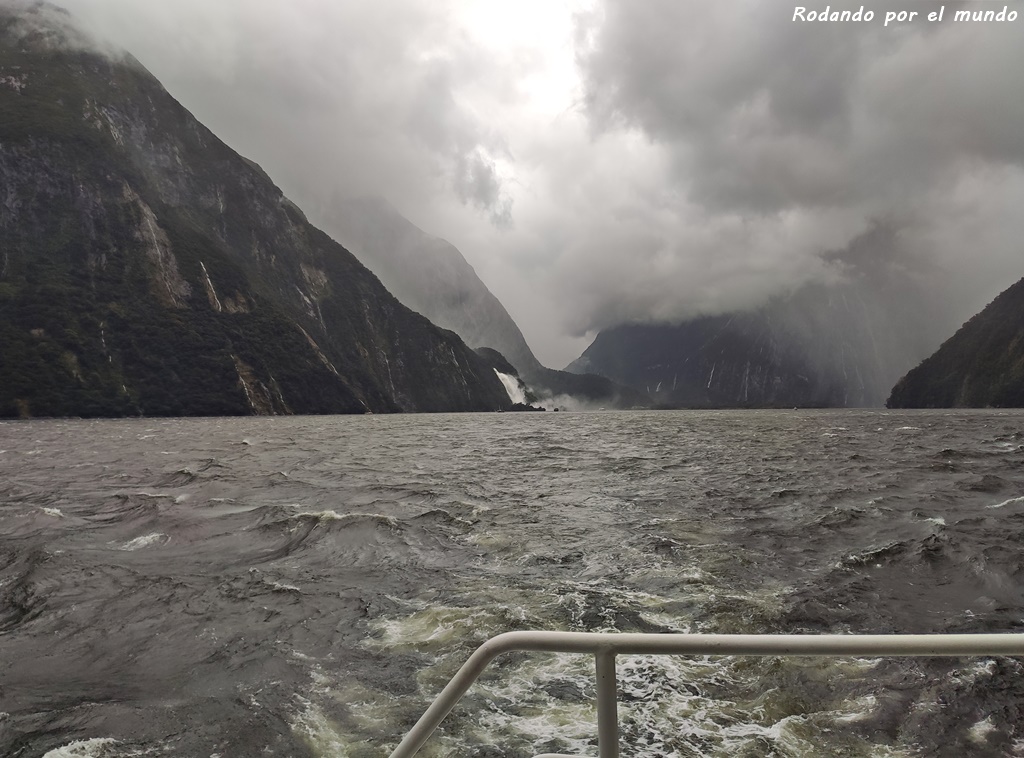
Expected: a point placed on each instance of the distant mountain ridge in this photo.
(147, 268)
(432, 277)
(982, 365)
(841, 344)
(429, 275)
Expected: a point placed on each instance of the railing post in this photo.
(607, 706)
(604, 647)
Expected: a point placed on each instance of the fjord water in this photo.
(305, 585)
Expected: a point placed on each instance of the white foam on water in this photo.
(55, 512)
(858, 709)
(323, 736)
(329, 515)
(572, 724)
(145, 541)
(370, 713)
(1005, 503)
(434, 628)
(576, 598)
(326, 515)
(668, 621)
(94, 748)
(980, 731)
(978, 669)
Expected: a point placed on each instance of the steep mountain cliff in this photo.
(429, 275)
(981, 365)
(432, 277)
(145, 267)
(824, 345)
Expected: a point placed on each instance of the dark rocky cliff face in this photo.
(147, 268)
(982, 365)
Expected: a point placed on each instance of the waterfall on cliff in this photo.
(515, 392)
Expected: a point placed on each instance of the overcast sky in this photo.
(599, 161)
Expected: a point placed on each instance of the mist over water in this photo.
(305, 586)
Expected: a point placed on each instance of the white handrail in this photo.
(606, 646)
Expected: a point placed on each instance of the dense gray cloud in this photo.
(599, 161)
(765, 114)
(781, 126)
(328, 95)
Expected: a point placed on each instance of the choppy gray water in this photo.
(305, 586)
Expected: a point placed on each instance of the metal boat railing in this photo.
(604, 648)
